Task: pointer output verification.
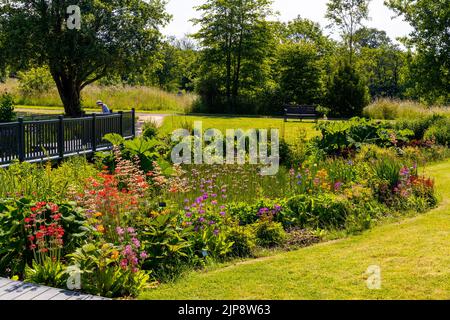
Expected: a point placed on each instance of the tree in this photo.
(114, 35)
(372, 38)
(236, 40)
(347, 93)
(430, 67)
(348, 16)
(300, 73)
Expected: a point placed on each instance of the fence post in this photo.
(60, 143)
(94, 134)
(21, 138)
(133, 124)
(121, 123)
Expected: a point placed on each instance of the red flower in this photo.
(40, 235)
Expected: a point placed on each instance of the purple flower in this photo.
(201, 220)
(214, 195)
(144, 255)
(216, 232)
(212, 222)
(337, 186)
(136, 242)
(214, 202)
(120, 231)
(188, 214)
(223, 213)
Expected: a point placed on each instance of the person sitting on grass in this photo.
(104, 107)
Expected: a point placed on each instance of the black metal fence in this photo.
(35, 141)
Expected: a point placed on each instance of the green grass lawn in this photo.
(290, 130)
(414, 256)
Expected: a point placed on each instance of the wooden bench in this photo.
(300, 112)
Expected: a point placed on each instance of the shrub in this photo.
(167, 246)
(347, 93)
(340, 137)
(246, 213)
(269, 233)
(150, 129)
(102, 273)
(420, 124)
(326, 211)
(439, 132)
(243, 242)
(7, 113)
(35, 81)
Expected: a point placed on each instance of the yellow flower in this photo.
(98, 214)
(100, 228)
(115, 255)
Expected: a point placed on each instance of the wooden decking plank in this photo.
(4, 282)
(33, 293)
(16, 290)
(47, 295)
(65, 295)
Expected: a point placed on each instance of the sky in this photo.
(381, 16)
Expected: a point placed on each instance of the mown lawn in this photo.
(290, 130)
(414, 256)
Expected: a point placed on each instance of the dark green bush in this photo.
(7, 113)
(269, 234)
(347, 93)
(150, 129)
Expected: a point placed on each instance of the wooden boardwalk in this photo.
(15, 290)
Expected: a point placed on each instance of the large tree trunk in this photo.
(69, 91)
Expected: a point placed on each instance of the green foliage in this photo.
(429, 68)
(7, 113)
(338, 137)
(77, 58)
(243, 242)
(348, 16)
(421, 125)
(439, 132)
(49, 273)
(35, 81)
(325, 211)
(166, 244)
(300, 73)
(238, 42)
(14, 254)
(150, 129)
(44, 182)
(269, 234)
(347, 93)
(101, 274)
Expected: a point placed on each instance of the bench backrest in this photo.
(300, 110)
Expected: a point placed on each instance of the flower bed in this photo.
(131, 220)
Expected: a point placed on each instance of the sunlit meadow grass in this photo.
(116, 97)
(389, 109)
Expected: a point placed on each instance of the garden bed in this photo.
(132, 220)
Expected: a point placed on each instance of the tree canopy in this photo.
(114, 35)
